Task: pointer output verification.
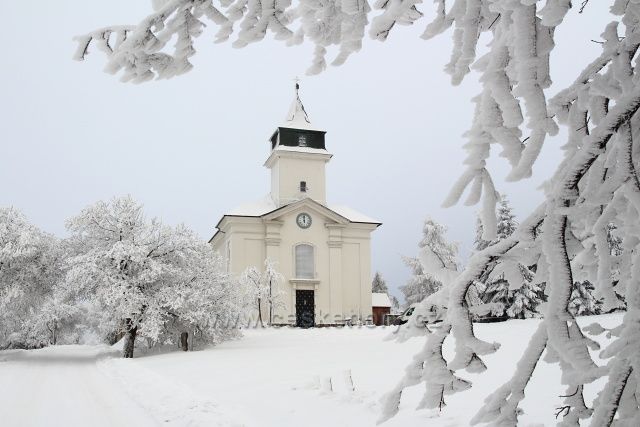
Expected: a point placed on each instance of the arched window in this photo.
(304, 262)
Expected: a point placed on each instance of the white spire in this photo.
(297, 117)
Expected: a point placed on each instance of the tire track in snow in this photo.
(61, 386)
(171, 403)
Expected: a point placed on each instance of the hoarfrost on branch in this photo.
(596, 184)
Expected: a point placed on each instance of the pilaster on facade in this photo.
(335, 235)
(272, 232)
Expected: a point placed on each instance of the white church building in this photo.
(322, 250)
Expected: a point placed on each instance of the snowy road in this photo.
(63, 386)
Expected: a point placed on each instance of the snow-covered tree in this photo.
(479, 243)
(257, 290)
(582, 301)
(395, 304)
(143, 275)
(419, 286)
(436, 253)
(379, 285)
(206, 301)
(526, 297)
(507, 223)
(508, 290)
(272, 279)
(263, 288)
(30, 263)
(436, 263)
(595, 184)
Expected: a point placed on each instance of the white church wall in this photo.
(290, 169)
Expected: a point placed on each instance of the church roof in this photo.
(266, 206)
(256, 208)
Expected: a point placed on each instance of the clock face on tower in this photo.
(303, 220)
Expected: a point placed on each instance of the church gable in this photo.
(310, 205)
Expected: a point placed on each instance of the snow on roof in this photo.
(297, 118)
(266, 205)
(380, 300)
(352, 214)
(256, 208)
(301, 149)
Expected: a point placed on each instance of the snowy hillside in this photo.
(277, 377)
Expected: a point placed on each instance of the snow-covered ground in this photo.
(273, 377)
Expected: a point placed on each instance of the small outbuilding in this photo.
(380, 306)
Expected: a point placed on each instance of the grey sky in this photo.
(192, 147)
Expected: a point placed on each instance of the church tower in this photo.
(298, 158)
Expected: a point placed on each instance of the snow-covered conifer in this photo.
(507, 223)
(479, 243)
(525, 299)
(582, 300)
(509, 290)
(379, 285)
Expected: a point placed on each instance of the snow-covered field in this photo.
(272, 377)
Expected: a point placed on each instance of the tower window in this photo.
(303, 186)
(304, 262)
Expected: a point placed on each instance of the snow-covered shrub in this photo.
(263, 289)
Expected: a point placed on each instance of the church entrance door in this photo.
(305, 309)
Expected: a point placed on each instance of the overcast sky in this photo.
(192, 147)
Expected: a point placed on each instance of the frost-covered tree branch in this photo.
(595, 188)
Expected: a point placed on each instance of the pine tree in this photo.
(378, 285)
(506, 219)
(523, 301)
(583, 301)
(509, 288)
(479, 243)
(497, 294)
